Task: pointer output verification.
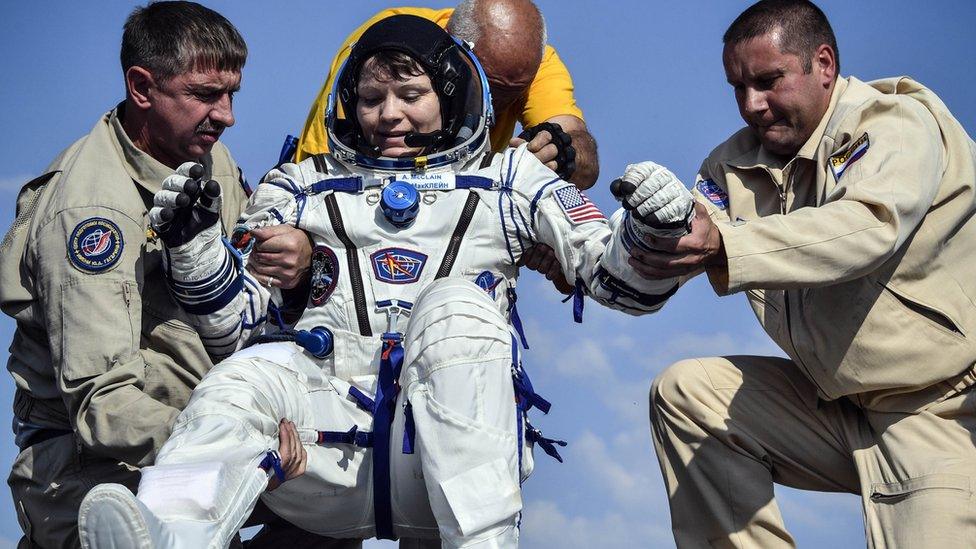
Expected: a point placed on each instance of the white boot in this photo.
(112, 518)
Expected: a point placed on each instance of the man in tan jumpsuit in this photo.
(844, 211)
(103, 358)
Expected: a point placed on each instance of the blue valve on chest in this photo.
(400, 203)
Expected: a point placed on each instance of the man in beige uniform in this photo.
(845, 213)
(103, 358)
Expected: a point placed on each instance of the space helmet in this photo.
(456, 76)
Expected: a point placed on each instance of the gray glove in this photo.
(658, 202)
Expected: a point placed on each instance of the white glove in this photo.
(185, 206)
(661, 205)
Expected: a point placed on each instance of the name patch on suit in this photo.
(325, 274)
(95, 245)
(576, 205)
(840, 162)
(429, 181)
(397, 265)
(715, 194)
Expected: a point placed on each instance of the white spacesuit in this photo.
(403, 373)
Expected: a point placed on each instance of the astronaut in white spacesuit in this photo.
(402, 375)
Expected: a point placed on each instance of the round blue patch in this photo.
(95, 245)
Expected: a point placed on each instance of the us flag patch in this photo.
(577, 206)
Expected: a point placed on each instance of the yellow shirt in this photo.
(549, 95)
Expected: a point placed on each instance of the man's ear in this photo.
(825, 64)
(138, 83)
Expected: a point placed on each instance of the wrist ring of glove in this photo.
(565, 152)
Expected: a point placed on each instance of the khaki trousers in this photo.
(725, 429)
(48, 481)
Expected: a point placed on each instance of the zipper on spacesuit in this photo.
(352, 260)
(455, 243)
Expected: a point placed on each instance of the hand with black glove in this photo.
(185, 206)
(552, 146)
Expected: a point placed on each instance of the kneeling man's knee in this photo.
(680, 386)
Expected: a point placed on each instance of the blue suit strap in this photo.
(514, 317)
(348, 184)
(409, 429)
(354, 436)
(473, 182)
(272, 462)
(362, 400)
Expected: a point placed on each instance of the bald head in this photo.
(509, 38)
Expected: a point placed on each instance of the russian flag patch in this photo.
(840, 162)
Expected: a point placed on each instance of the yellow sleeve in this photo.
(551, 92)
(313, 138)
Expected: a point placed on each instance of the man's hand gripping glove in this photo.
(565, 152)
(200, 270)
(657, 203)
(186, 205)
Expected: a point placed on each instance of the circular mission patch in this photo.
(95, 245)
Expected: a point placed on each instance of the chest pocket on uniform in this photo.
(92, 343)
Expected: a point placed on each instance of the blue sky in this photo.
(650, 82)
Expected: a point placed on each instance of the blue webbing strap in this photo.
(473, 182)
(387, 387)
(362, 400)
(514, 317)
(338, 184)
(578, 293)
(519, 409)
(409, 429)
(363, 439)
(273, 461)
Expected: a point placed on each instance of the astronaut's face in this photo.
(389, 107)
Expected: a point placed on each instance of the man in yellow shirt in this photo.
(529, 83)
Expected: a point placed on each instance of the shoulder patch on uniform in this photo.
(715, 194)
(397, 265)
(325, 274)
(841, 161)
(95, 245)
(576, 205)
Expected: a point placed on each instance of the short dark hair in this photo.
(804, 28)
(171, 38)
(393, 64)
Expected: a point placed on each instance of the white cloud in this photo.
(545, 526)
(626, 476)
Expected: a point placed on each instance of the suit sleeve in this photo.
(591, 250)
(207, 275)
